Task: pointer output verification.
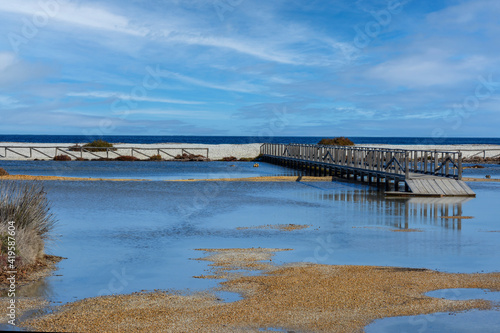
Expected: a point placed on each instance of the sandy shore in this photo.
(301, 297)
(27, 277)
(249, 179)
(216, 152)
(467, 150)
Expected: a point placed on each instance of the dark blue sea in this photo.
(240, 139)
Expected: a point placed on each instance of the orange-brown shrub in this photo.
(126, 158)
(338, 141)
(62, 157)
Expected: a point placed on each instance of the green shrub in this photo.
(338, 141)
(3, 172)
(62, 157)
(97, 145)
(26, 204)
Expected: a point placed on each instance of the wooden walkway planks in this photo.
(437, 186)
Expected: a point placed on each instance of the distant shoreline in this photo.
(219, 151)
(228, 139)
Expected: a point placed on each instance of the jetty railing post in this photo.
(435, 162)
(407, 165)
(459, 166)
(447, 165)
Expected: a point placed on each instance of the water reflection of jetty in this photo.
(401, 213)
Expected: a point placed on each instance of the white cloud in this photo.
(7, 59)
(7, 102)
(180, 113)
(429, 69)
(117, 95)
(238, 87)
(247, 47)
(71, 13)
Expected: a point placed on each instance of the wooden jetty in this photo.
(420, 172)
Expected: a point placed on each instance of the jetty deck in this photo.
(397, 171)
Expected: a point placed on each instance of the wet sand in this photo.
(27, 277)
(31, 273)
(298, 297)
(45, 178)
(23, 305)
(466, 179)
(249, 179)
(282, 227)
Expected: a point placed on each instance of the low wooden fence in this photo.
(43, 152)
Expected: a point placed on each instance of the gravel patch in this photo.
(301, 297)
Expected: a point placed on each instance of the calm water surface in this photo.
(174, 170)
(145, 170)
(122, 237)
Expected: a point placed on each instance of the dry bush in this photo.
(338, 141)
(190, 157)
(156, 158)
(3, 172)
(126, 158)
(76, 147)
(62, 157)
(26, 204)
(229, 159)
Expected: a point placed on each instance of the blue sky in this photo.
(241, 67)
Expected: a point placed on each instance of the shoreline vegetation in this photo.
(296, 297)
(26, 225)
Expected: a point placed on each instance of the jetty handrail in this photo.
(380, 160)
(27, 151)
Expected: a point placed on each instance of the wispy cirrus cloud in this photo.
(262, 56)
(243, 87)
(118, 95)
(89, 16)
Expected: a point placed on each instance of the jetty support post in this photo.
(460, 166)
(407, 165)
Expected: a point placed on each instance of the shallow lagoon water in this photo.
(174, 170)
(123, 237)
(493, 170)
(166, 170)
(487, 321)
(484, 321)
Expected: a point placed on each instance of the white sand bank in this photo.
(215, 152)
(21, 151)
(467, 150)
